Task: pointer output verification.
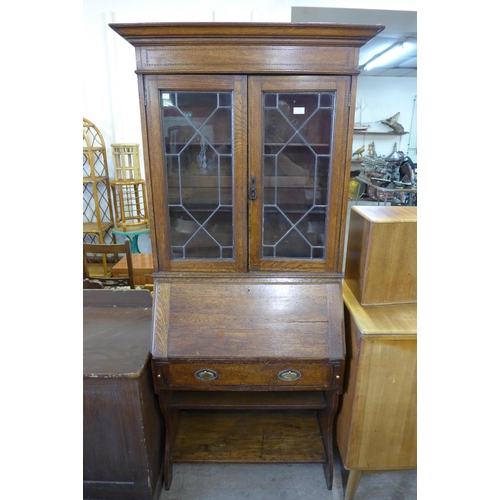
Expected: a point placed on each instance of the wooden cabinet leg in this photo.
(325, 418)
(352, 483)
(171, 417)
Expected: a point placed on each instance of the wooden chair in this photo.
(108, 281)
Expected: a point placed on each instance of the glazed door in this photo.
(257, 187)
(297, 156)
(198, 157)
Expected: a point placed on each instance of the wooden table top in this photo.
(116, 332)
(141, 262)
(387, 214)
(391, 319)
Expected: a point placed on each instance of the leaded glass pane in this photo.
(297, 139)
(198, 140)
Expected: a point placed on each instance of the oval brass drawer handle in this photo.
(206, 374)
(289, 375)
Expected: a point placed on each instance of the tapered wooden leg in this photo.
(168, 472)
(352, 483)
(325, 418)
(328, 470)
(171, 417)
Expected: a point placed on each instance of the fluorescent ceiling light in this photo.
(387, 56)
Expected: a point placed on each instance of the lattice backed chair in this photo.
(92, 280)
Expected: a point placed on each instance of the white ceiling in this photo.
(400, 26)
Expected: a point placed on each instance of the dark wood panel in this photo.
(123, 439)
(249, 437)
(251, 58)
(249, 400)
(345, 34)
(233, 320)
(318, 375)
(123, 432)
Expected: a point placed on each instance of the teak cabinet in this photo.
(247, 132)
(377, 420)
(381, 267)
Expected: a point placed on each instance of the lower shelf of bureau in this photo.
(248, 427)
(287, 426)
(249, 437)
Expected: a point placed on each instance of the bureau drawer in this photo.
(320, 375)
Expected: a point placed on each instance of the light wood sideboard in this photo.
(376, 428)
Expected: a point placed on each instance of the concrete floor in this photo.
(283, 482)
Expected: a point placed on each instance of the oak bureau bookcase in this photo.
(247, 131)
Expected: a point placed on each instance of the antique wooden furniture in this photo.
(143, 268)
(102, 252)
(97, 211)
(247, 131)
(248, 347)
(122, 424)
(376, 425)
(381, 263)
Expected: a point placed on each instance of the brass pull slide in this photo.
(289, 375)
(206, 374)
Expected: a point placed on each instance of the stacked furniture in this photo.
(122, 425)
(247, 129)
(376, 428)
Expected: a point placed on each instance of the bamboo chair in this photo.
(107, 281)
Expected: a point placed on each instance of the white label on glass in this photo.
(299, 111)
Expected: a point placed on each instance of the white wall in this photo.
(384, 97)
(110, 96)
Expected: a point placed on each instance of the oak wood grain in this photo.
(376, 425)
(211, 319)
(249, 437)
(381, 260)
(247, 316)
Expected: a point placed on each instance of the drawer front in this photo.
(211, 375)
